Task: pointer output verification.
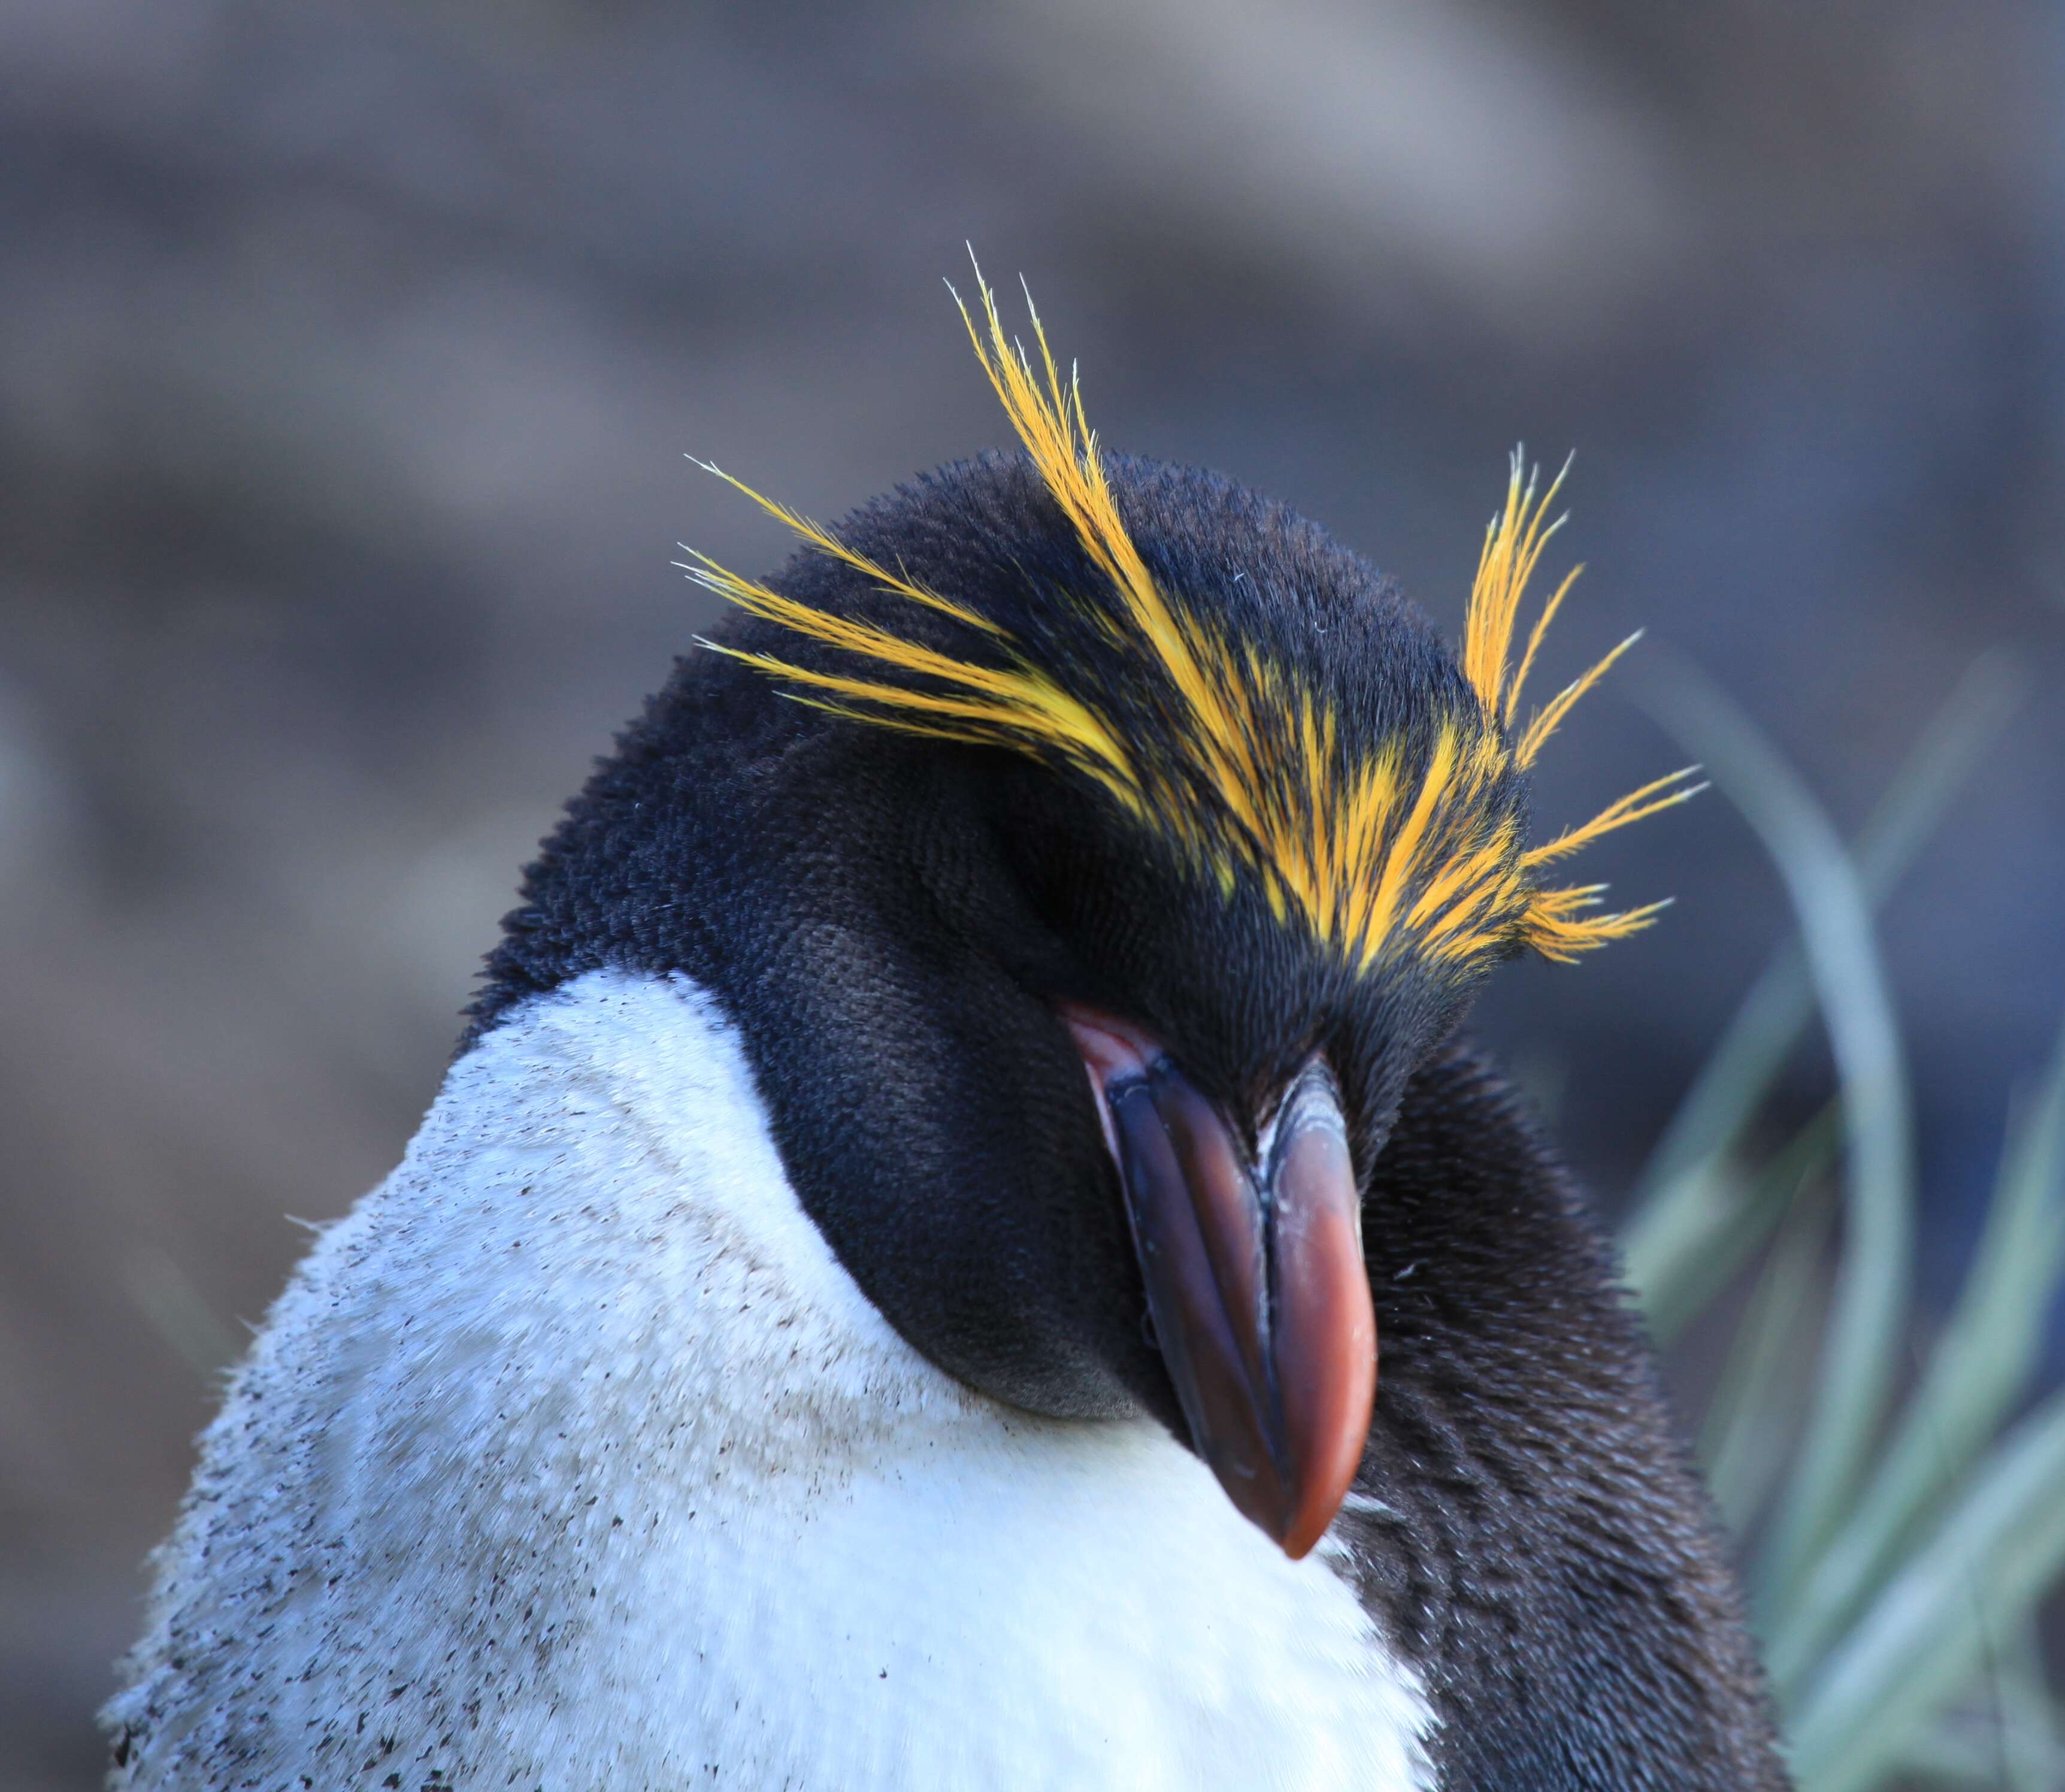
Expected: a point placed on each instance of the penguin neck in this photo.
(807, 1489)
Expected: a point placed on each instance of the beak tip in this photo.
(1325, 1483)
(1295, 1504)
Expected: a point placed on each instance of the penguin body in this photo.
(574, 1458)
(893, 1290)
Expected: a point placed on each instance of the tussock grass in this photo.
(1900, 1542)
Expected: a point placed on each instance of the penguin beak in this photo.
(1254, 1277)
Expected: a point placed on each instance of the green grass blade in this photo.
(1869, 1305)
(1739, 1074)
(1979, 1368)
(1925, 1635)
(1752, 1213)
(1682, 1204)
(1756, 1407)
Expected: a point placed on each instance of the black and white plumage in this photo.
(778, 1363)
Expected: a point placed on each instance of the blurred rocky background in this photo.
(349, 355)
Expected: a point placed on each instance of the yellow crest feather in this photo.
(1553, 921)
(1252, 771)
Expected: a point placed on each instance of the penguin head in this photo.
(1090, 852)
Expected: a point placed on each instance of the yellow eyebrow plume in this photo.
(1554, 922)
(1379, 847)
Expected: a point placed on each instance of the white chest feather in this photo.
(573, 1460)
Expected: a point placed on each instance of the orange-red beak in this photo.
(1254, 1277)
